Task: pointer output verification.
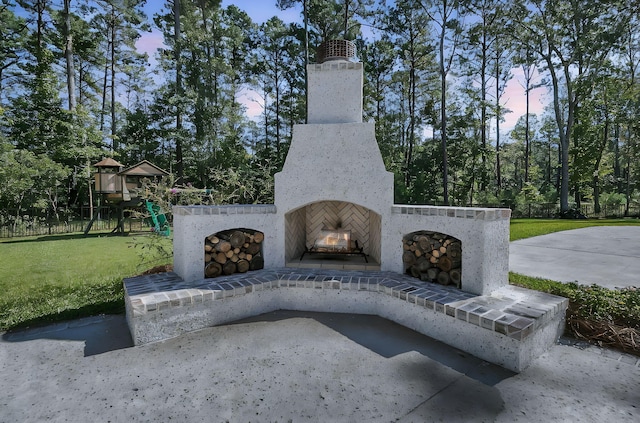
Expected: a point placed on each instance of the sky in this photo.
(261, 10)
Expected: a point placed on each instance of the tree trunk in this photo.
(179, 93)
(112, 65)
(498, 115)
(306, 56)
(68, 55)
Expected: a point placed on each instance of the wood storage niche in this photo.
(233, 251)
(433, 257)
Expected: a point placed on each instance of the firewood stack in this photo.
(234, 251)
(433, 257)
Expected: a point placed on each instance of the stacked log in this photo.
(433, 257)
(234, 251)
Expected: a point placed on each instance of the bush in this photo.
(612, 199)
(600, 315)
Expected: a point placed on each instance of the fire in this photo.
(338, 239)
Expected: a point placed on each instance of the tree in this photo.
(179, 90)
(444, 15)
(68, 56)
(213, 53)
(120, 22)
(335, 19)
(286, 4)
(379, 58)
(28, 181)
(483, 44)
(627, 131)
(273, 64)
(12, 45)
(410, 28)
(551, 183)
(574, 39)
(528, 65)
(38, 122)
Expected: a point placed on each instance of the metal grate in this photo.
(336, 50)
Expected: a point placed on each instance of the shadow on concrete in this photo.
(100, 333)
(389, 339)
(106, 333)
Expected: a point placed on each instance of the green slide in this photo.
(157, 219)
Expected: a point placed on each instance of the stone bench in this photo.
(510, 327)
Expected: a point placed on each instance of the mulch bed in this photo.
(158, 269)
(625, 339)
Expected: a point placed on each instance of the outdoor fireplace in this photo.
(334, 179)
(334, 190)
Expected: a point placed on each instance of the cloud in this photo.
(515, 99)
(252, 102)
(150, 42)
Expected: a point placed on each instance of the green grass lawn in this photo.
(60, 277)
(526, 228)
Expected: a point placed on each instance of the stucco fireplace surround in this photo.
(334, 163)
(334, 178)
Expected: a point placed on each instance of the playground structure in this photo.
(119, 188)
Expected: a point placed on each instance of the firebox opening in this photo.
(433, 257)
(233, 251)
(331, 233)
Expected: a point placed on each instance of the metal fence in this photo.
(617, 211)
(33, 223)
(552, 210)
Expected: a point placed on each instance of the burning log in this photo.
(233, 251)
(433, 257)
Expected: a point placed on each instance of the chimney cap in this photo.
(336, 50)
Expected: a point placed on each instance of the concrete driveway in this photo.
(608, 256)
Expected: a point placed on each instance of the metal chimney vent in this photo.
(336, 50)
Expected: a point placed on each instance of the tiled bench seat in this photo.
(509, 328)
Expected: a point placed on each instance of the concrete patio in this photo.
(289, 367)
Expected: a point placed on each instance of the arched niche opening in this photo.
(231, 251)
(433, 257)
(305, 225)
